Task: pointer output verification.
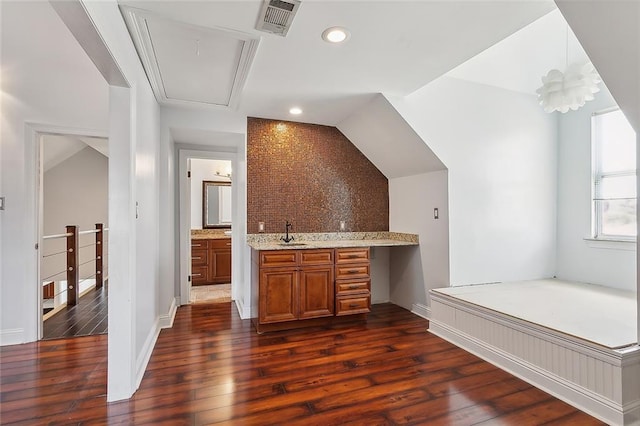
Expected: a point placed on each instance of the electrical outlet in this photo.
(343, 225)
(435, 213)
(260, 226)
(1, 203)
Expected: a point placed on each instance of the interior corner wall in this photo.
(501, 152)
(416, 270)
(578, 259)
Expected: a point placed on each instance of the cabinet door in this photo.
(220, 266)
(316, 292)
(278, 295)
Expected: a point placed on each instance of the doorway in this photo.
(210, 231)
(73, 228)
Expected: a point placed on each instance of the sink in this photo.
(292, 244)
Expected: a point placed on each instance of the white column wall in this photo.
(135, 307)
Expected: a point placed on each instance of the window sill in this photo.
(602, 243)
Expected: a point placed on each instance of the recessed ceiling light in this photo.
(295, 111)
(335, 35)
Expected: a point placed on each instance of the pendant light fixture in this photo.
(569, 90)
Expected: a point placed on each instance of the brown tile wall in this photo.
(314, 177)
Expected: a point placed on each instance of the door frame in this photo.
(35, 172)
(184, 234)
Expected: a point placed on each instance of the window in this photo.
(614, 176)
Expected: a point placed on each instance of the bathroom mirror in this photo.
(216, 204)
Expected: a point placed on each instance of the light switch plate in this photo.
(1, 203)
(436, 215)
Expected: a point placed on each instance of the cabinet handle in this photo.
(353, 305)
(228, 244)
(353, 287)
(353, 271)
(196, 275)
(196, 258)
(353, 256)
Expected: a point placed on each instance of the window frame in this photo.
(596, 178)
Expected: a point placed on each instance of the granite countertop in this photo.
(332, 240)
(209, 234)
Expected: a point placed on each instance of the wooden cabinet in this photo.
(353, 281)
(295, 284)
(211, 261)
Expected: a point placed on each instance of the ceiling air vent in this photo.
(276, 16)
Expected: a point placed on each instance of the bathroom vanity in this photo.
(312, 282)
(210, 258)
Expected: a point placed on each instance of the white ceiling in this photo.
(58, 148)
(395, 48)
(518, 62)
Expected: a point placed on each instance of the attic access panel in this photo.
(188, 64)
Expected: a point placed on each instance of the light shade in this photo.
(568, 91)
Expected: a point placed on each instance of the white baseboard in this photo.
(243, 311)
(145, 353)
(163, 321)
(166, 320)
(421, 310)
(12, 336)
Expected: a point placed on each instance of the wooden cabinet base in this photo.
(315, 322)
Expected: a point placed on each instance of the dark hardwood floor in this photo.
(212, 367)
(87, 317)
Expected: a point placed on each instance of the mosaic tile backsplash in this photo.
(312, 176)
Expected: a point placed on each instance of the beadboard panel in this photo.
(598, 380)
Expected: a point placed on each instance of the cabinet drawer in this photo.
(278, 258)
(199, 257)
(352, 271)
(221, 243)
(353, 286)
(199, 244)
(199, 274)
(353, 305)
(352, 255)
(316, 257)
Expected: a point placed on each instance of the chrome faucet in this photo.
(287, 238)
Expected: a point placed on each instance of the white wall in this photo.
(75, 193)
(500, 150)
(416, 270)
(48, 79)
(213, 132)
(202, 170)
(135, 305)
(613, 265)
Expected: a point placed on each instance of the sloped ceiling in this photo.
(388, 141)
(610, 33)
